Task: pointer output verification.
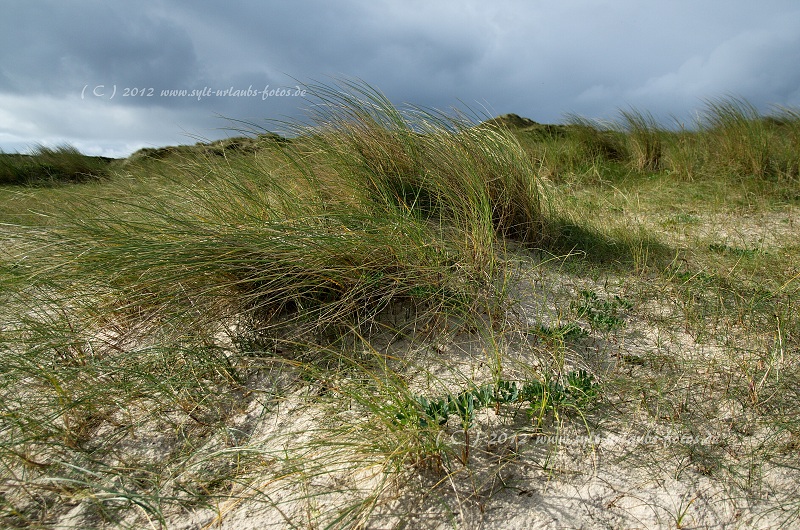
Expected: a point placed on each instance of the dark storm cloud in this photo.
(539, 59)
(53, 47)
(409, 50)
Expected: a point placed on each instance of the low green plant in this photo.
(561, 332)
(581, 387)
(603, 314)
(721, 248)
(577, 392)
(682, 219)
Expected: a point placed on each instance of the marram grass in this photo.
(148, 310)
(373, 205)
(269, 323)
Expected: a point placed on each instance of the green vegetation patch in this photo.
(46, 166)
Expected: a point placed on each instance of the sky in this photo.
(98, 74)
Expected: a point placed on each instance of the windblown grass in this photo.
(370, 208)
(441, 167)
(46, 166)
(335, 328)
(150, 309)
(733, 140)
(645, 139)
(600, 141)
(739, 139)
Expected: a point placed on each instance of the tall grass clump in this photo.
(373, 205)
(684, 155)
(150, 311)
(644, 139)
(732, 139)
(786, 121)
(739, 140)
(634, 139)
(599, 141)
(341, 327)
(437, 166)
(231, 250)
(46, 165)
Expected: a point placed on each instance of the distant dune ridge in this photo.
(512, 121)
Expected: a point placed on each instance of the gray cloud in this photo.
(53, 47)
(538, 59)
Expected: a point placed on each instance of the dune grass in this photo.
(146, 307)
(368, 317)
(47, 166)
